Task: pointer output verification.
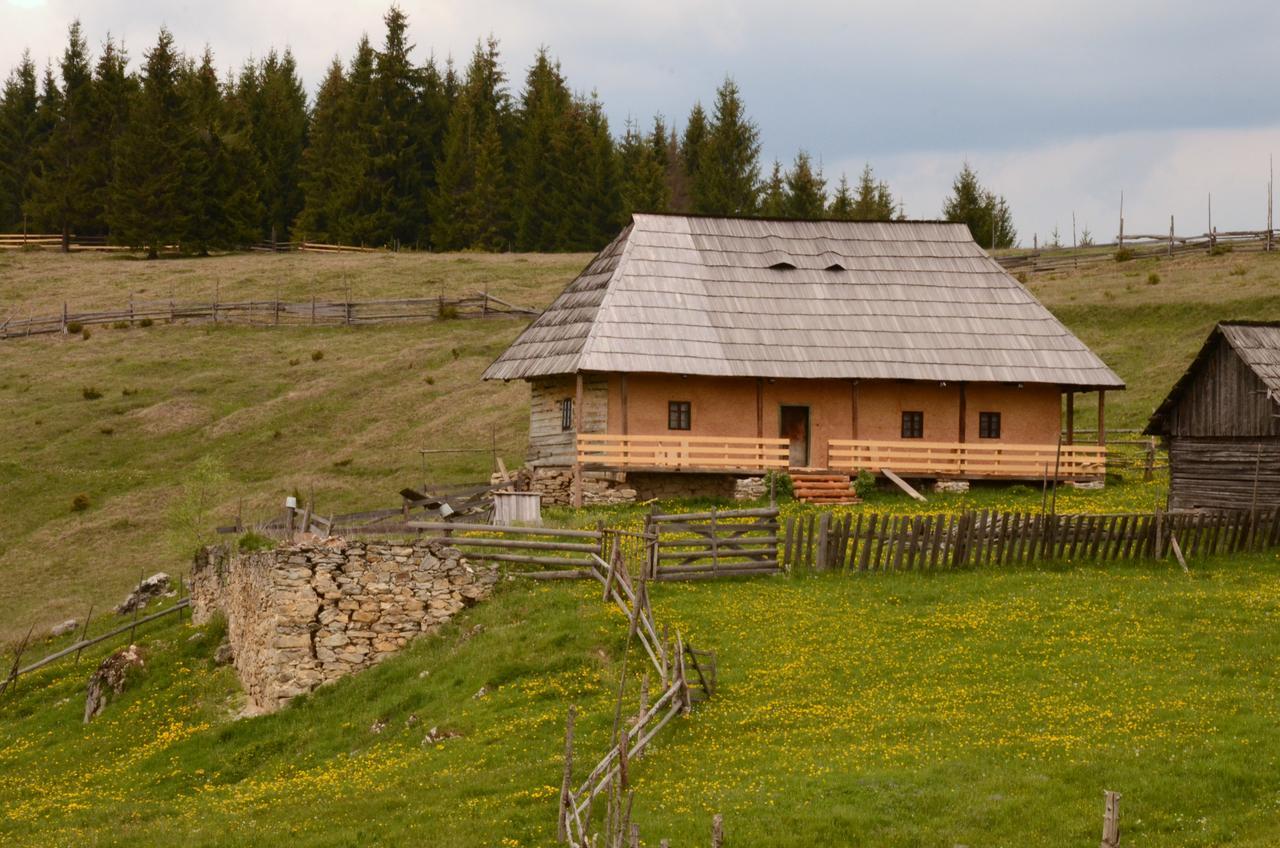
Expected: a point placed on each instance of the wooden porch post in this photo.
(577, 429)
(963, 411)
(759, 407)
(623, 392)
(1071, 418)
(1102, 416)
(853, 403)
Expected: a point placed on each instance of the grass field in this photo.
(979, 708)
(348, 425)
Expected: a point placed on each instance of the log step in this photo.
(823, 488)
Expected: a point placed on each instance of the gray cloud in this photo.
(1060, 105)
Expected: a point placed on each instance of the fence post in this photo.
(1111, 821)
(566, 793)
(717, 830)
(64, 317)
(824, 529)
(1148, 472)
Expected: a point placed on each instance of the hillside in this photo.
(342, 412)
(977, 708)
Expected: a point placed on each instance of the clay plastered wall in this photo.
(728, 407)
(306, 614)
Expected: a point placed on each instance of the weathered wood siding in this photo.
(1218, 473)
(548, 443)
(1225, 399)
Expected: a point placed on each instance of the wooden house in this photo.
(1222, 422)
(719, 348)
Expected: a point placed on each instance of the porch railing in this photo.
(955, 459)
(683, 452)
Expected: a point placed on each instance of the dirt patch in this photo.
(170, 416)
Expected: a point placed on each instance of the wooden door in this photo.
(795, 427)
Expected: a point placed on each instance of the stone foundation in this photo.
(613, 487)
(302, 615)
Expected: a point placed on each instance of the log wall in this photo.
(1218, 473)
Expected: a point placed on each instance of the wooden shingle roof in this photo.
(741, 297)
(1257, 343)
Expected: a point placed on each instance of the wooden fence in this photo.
(870, 542)
(685, 676)
(719, 543)
(267, 313)
(576, 551)
(1140, 246)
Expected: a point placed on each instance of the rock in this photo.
(154, 586)
(955, 487)
(435, 735)
(1087, 485)
(110, 677)
(484, 690)
(224, 655)
(378, 726)
(62, 629)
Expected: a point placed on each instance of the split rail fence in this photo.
(1139, 246)
(871, 542)
(268, 313)
(685, 676)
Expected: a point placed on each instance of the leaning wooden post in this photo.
(1102, 417)
(717, 831)
(64, 317)
(566, 796)
(84, 632)
(1111, 821)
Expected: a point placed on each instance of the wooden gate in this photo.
(719, 543)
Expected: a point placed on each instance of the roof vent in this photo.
(782, 266)
(834, 266)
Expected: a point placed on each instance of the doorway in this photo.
(795, 428)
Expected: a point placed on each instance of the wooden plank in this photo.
(854, 536)
(868, 542)
(902, 484)
(496, 528)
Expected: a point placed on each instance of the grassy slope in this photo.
(378, 394)
(887, 709)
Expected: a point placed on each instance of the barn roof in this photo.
(750, 297)
(1257, 343)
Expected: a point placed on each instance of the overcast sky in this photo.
(1059, 105)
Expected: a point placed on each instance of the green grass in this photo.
(977, 708)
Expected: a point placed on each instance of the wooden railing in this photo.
(682, 452)
(954, 459)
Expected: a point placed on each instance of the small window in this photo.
(988, 425)
(566, 415)
(679, 415)
(782, 266)
(835, 266)
(913, 425)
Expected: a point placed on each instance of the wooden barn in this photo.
(1222, 422)
(696, 351)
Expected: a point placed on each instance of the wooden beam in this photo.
(1071, 418)
(577, 430)
(963, 411)
(623, 392)
(903, 485)
(759, 407)
(1102, 416)
(853, 423)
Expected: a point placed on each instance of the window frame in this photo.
(912, 424)
(680, 415)
(566, 415)
(985, 420)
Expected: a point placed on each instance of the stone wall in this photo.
(612, 487)
(305, 614)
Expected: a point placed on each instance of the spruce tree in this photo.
(841, 206)
(773, 197)
(541, 156)
(277, 109)
(18, 132)
(692, 148)
(728, 171)
(644, 186)
(152, 186)
(114, 90)
(873, 202)
(326, 175)
(223, 209)
(62, 186)
(988, 216)
(603, 185)
(806, 189)
(468, 184)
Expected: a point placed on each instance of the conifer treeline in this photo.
(390, 153)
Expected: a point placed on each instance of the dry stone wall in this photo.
(555, 483)
(306, 614)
